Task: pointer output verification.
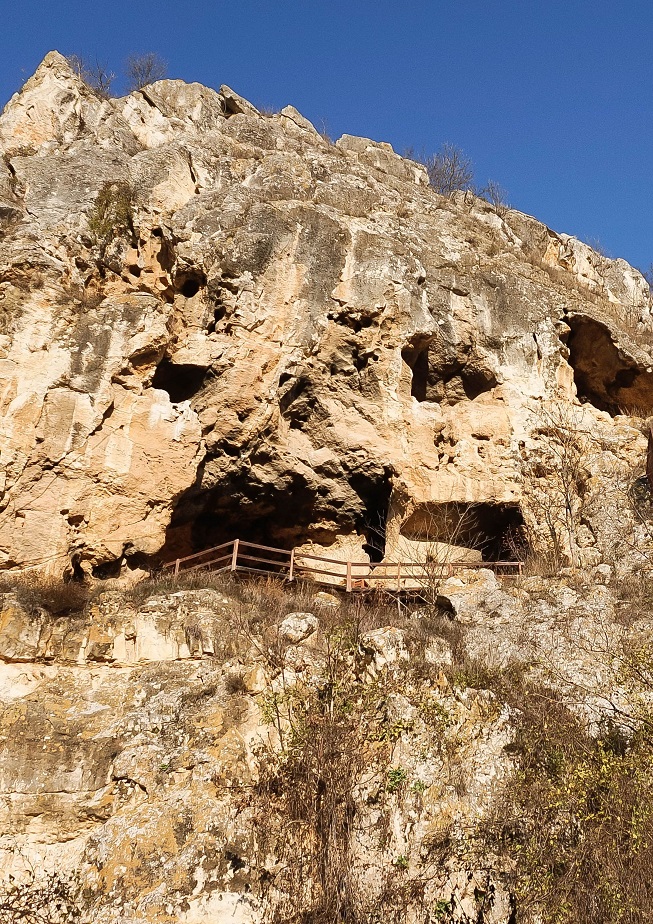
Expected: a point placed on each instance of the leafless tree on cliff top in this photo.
(450, 170)
(96, 76)
(143, 70)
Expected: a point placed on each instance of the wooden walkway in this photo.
(352, 576)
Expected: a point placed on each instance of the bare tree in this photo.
(145, 69)
(450, 170)
(430, 544)
(39, 897)
(96, 76)
(556, 473)
(496, 195)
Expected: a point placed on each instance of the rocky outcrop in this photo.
(215, 323)
(147, 747)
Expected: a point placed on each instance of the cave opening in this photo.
(276, 514)
(374, 489)
(420, 369)
(606, 374)
(182, 381)
(446, 378)
(496, 530)
(283, 512)
(189, 282)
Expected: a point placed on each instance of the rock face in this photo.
(145, 745)
(134, 741)
(215, 322)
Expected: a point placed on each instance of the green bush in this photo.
(113, 212)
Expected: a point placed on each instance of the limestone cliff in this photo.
(216, 322)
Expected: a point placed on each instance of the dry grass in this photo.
(54, 595)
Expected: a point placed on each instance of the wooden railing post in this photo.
(176, 567)
(349, 576)
(292, 565)
(234, 556)
(398, 575)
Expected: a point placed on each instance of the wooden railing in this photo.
(251, 558)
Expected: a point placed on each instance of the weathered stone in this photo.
(295, 627)
(296, 342)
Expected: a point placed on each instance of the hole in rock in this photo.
(605, 373)
(267, 503)
(181, 381)
(276, 513)
(190, 282)
(496, 530)
(297, 401)
(374, 489)
(107, 569)
(420, 381)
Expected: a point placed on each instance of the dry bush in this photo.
(497, 196)
(57, 596)
(96, 75)
(450, 170)
(326, 731)
(38, 897)
(113, 212)
(556, 472)
(144, 69)
(577, 817)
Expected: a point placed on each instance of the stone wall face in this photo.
(214, 323)
(278, 337)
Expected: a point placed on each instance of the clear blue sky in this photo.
(551, 99)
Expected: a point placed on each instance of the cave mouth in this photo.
(182, 381)
(496, 530)
(374, 489)
(189, 282)
(283, 512)
(604, 374)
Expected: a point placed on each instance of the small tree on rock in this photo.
(143, 70)
(96, 76)
(450, 170)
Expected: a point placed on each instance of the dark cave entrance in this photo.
(605, 373)
(282, 513)
(188, 282)
(181, 381)
(496, 530)
(442, 377)
(374, 489)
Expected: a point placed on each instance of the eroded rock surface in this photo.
(214, 323)
(146, 747)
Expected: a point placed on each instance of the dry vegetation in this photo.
(575, 823)
(578, 818)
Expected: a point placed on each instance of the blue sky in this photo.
(552, 100)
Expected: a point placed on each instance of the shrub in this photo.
(578, 819)
(450, 170)
(497, 196)
(113, 211)
(96, 76)
(35, 592)
(145, 69)
(38, 897)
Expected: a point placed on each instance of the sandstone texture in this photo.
(143, 743)
(216, 323)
